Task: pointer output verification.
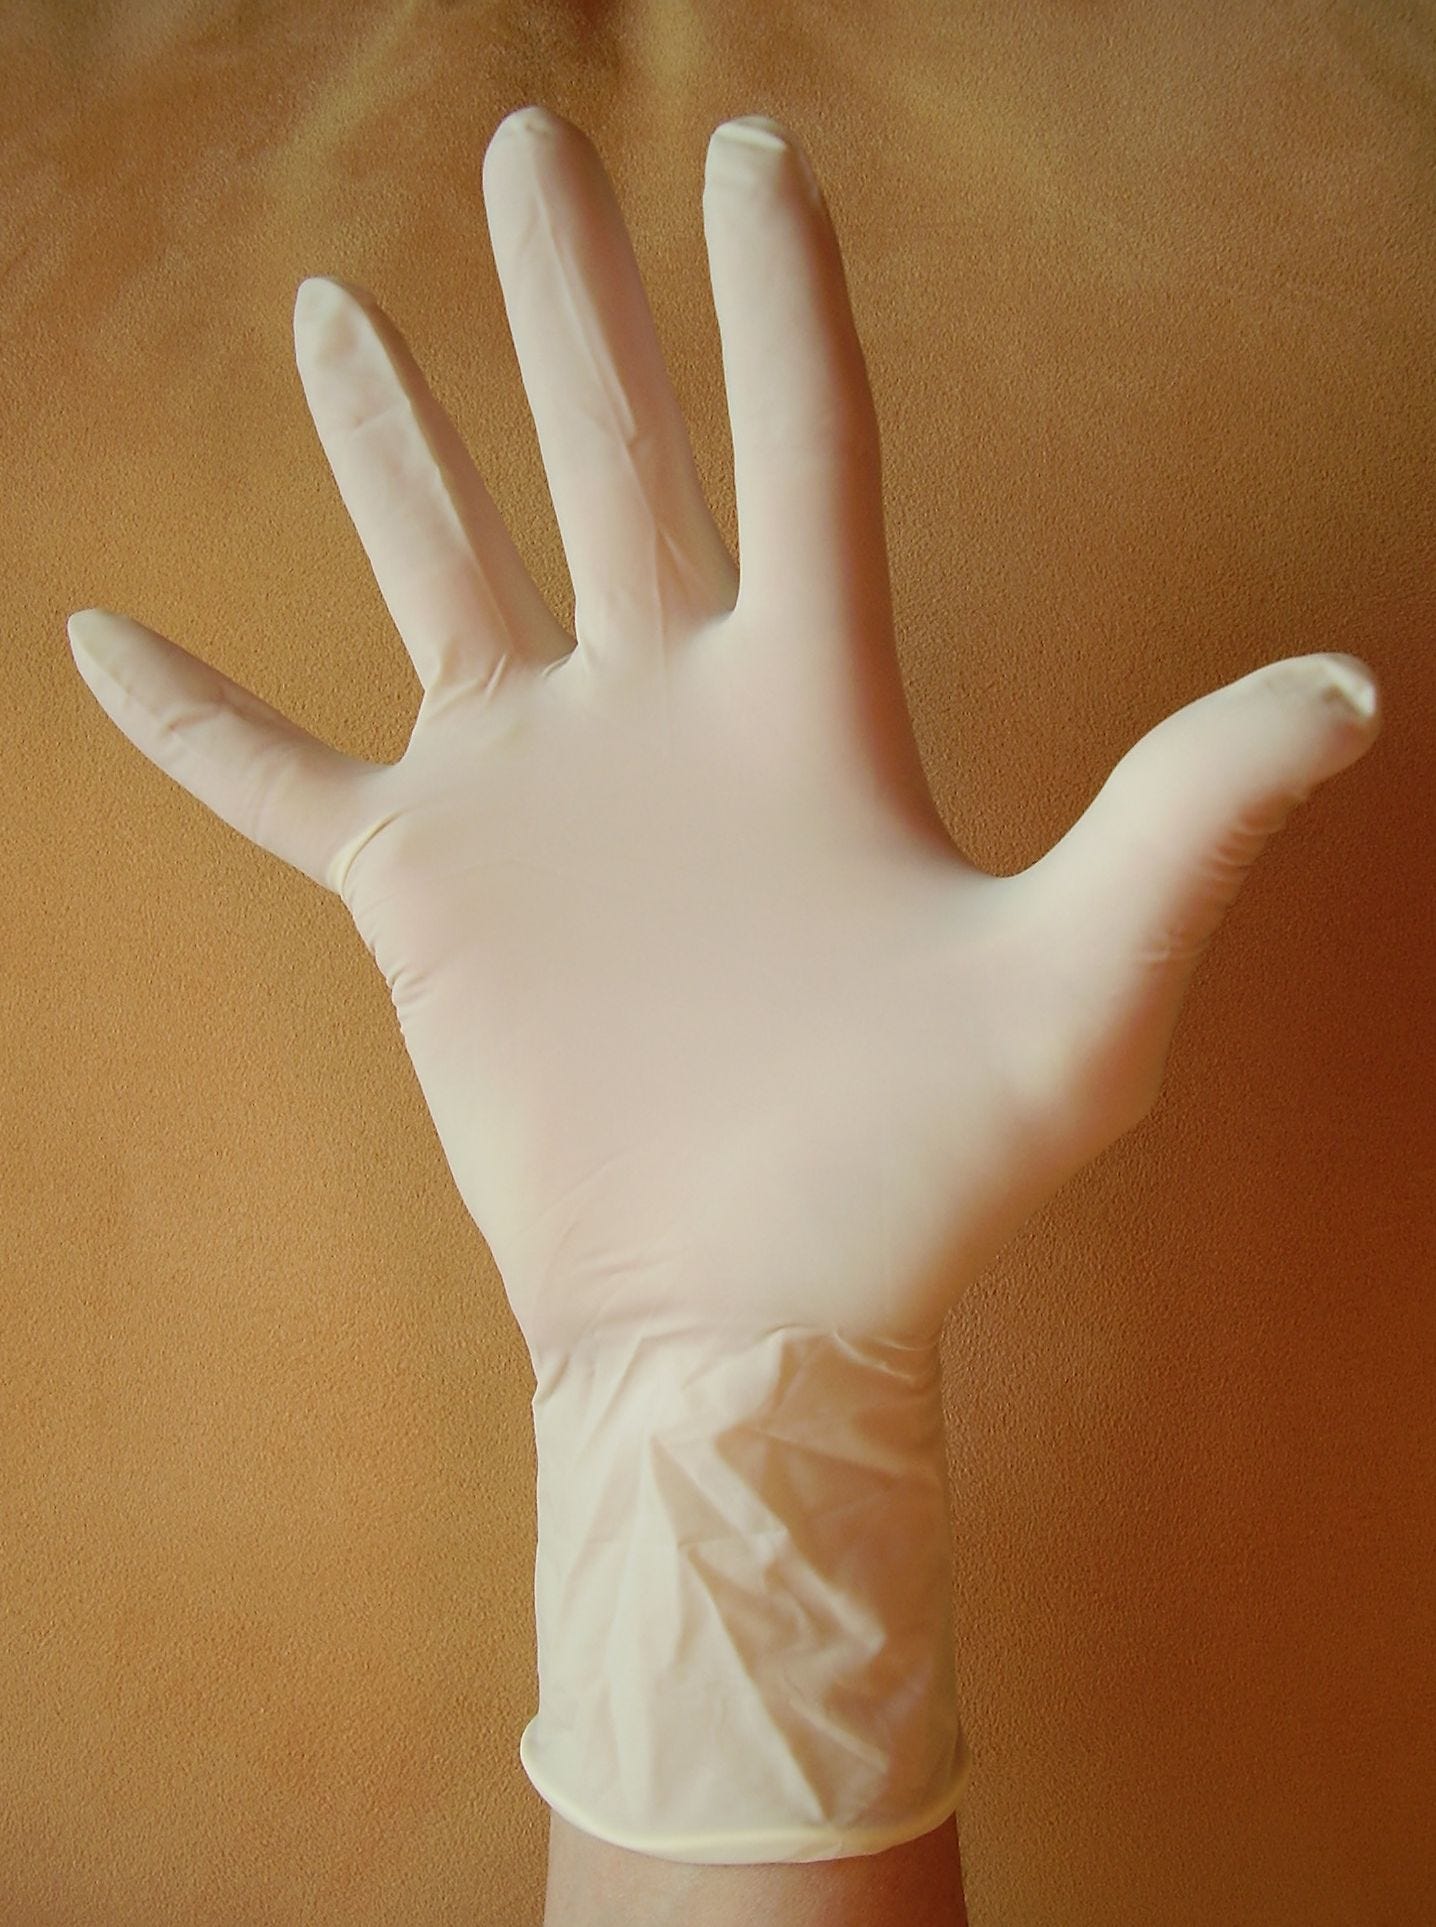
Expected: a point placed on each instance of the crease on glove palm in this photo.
(740, 1067)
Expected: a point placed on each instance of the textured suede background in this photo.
(1148, 295)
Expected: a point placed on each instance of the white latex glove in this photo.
(741, 1069)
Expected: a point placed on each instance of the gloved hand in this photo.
(742, 1070)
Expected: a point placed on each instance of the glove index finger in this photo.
(806, 460)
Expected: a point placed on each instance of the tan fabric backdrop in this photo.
(1148, 293)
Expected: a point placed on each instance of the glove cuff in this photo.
(743, 1596)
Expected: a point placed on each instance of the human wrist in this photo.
(593, 1884)
(742, 1593)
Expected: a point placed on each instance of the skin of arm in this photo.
(593, 1884)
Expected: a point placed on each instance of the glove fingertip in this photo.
(1349, 681)
(89, 632)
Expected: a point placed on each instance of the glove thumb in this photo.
(1133, 894)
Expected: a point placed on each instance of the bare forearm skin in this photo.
(593, 1884)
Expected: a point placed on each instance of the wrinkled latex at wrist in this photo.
(743, 1602)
